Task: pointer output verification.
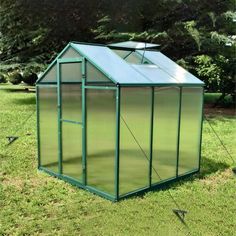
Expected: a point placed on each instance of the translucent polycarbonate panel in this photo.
(114, 67)
(48, 128)
(155, 74)
(121, 53)
(131, 57)
(134, 45)
(135, 117)
(190, 129)
(71, 100)
(70, 53)
(71, 72)
(165, 133)
(93, 74)
(101, 139)
(51, 75)
(171, 67)
(72, 150)
(134, 58)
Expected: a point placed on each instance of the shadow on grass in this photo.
(208, 167)
(25, 101)
(19, 90)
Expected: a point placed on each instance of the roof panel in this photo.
(111, 64)
(155, 74)
(170, 67)
(133, 45)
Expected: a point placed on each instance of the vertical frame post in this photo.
(178, 138)
(151, 137)
(84, 122)
(200, 141)
(59, 112)
(117, 158)
(38, 125)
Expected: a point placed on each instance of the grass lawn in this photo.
(32, 203)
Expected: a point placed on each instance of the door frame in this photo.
(61, 61)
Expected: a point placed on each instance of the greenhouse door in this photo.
(70, 114)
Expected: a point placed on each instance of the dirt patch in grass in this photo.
(209, 110)
(218, 179)
(19, 183)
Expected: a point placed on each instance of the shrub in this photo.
(15, 78)
(3, 78)
(29, 77)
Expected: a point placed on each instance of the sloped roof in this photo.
(119, 71)
(162, 71)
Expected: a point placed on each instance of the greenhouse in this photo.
(118, 119)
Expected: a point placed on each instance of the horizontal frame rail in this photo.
(72, 121)
(69, 60)
(100, 87)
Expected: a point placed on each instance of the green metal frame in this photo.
(59, 118)
(117, 88)
(38, 126)
(117, 158)
(84, 126)
(151, 136)
(178, 133)
(200, 141)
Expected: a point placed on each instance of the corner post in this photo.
(84, 122)
(151, 137)
(178, 138)
(38, 126)
(59, 117)
(200, 141)
(117, 159)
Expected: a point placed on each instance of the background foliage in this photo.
(200, 35)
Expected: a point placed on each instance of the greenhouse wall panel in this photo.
(190, 129)
(101, 139)
(48, 128)
(135, 116)
(165, 133)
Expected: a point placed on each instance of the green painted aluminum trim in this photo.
(117, 158)
(200, 141)
(50, 172)
(55, 83)
(99, 87)
(72, 121)
(164, 181)
(178, 133)
(141, 191)
(76, 183)
(69, 60)
(84, 126)
(125, 195)
(86, 43)
(52, 64)
(94, 64)
(71, 180)
(193, 171)
(38, 125)
(151, 137)
(161, 85)
(100, 193)
(47, 85)
(59, 113)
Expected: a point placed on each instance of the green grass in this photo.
(32, 203)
